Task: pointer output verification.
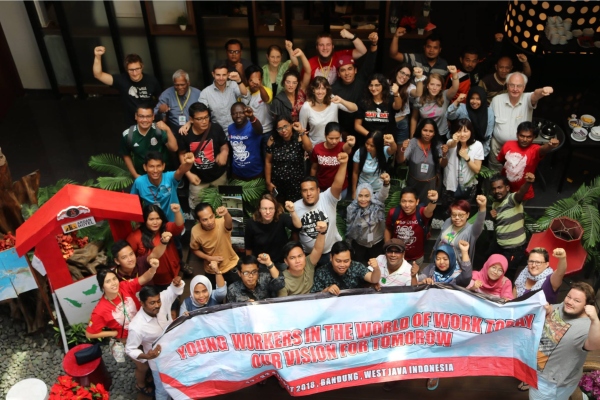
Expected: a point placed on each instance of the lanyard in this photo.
(186, 100)
(125, 313)
(156, 202)
(325, 71)
(425, 150)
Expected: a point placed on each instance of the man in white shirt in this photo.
(510, 109)
(395, 270)
(314, 207)
(148, 324)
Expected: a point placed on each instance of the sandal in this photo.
(523, 387)
(433, 383)
(146, 390)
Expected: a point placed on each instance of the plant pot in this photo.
(271, 28)
(421, 31)
(426, 13)
(392, 29)
(182, 27)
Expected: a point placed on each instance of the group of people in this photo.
(320, 130)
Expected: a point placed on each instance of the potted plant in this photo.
(421, 24)
(182, 22)
(393, 24)
(590, 384)
(271, 21)
(426, 8)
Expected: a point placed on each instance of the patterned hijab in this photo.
(539, 280)
(372, 214)
(448, 275)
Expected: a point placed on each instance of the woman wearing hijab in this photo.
(491, 280)
(476, 110)
(365, 221)
(202, 293)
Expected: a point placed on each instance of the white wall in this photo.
(23, 46)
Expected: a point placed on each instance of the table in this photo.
(571, 145)
(93, 372)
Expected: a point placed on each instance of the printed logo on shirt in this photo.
(515, 166)
(239, 152)
(406, 233)
(309, 222)
(377, 115)
(139, 92)
(555, 329)
(203, 159)
(331, 161)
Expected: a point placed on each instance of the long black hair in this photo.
(377, 137)
(147, 234)
(435, 140)
(385, 90)
(402, 89)
(465, 123)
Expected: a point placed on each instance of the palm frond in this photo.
(27, 210)
(114, 182)
(211, 196)
(392, 201)
(485, 173)
(90, 183)
(46, 192)
(109, 164)
(251, 190)
(100, 231)
(590, 222)
(568, 207)
(340, 224)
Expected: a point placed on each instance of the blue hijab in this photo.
(448, 275)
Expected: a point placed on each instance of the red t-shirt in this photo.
(320, 69)
(407, 228)
(169, 262)
(517, 162)
(328, 164)
(110, 314)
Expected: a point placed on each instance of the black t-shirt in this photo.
(268, 238)
(377, 117)
(205, 152)
(133, 93)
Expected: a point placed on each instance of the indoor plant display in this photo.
(182, 22)
(426, 8)
(271, 21)
(421, 24)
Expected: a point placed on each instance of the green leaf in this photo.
(392, 201)
(114, 182)
(109, 164)
(45, 193)
(590, 222)
(211, 196)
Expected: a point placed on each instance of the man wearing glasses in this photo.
(255, 285)
(134, 87)
(208, 143)
(510, 109)
(234, 61)
(395, 270)
(174, 103)
(143, 137)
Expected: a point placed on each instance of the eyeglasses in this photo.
(134, 69)
(536, 263)
(458, 215)
(250, 273)
(497, 270)
(234, 51)
(397, 251)
(202, 119)
(404, 74)
(145, 116)
(267, 209)
(283, 128)
(515, 86)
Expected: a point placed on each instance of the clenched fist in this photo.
(385, 177)
(452, 69)
(400, 31)
(559, 253)
(188, 158)
(165, 237)
(99, 51)
(432, 195)
(222, 211)
(529, 177)
(321, 226)
(418, 72)
(342, 158)
(547, 91)
(175, 208)
(461, 97)
(351, 140)
(154, 263)
(388, 139)
(289, 206)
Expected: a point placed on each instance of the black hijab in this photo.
(479, 117)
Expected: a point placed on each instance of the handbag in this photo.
(117, 348)
(88, 354)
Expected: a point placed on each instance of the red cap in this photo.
(345, 59)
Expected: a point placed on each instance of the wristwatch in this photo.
(270, 266)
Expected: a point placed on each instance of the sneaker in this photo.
(187, 270)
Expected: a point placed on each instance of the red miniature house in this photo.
(73, 208)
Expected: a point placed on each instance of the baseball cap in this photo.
(345, 59)
(398, 243)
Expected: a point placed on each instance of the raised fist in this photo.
(214, 267)
(463, 245)
(452, 69)
(405, 144)
(298, 53)
(461, 97)
(388, 139)
(162, 126)
(175, 208)
(522, 58)
(351, 140)
(547, 91)
(432, 195)
(177, 281)
(222, 211)
(591, 312)
(289, 206)
(321, 226)
(481, 200)
(297, 127)
(342, 158)
(248, 112)
(154, 263)
(264, 258)
(400, 31)
(336, 99)
(99, 51)
(529, 177)
(166, 236)
(289, 45)
(559, 253)
(498, 37)
(373, 262)
(188, 158)
(418, 72)
(374, 38)
(234, 76)
(554, 142)
(346, 34)
(385, 177)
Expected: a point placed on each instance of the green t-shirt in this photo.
(153, 140)
(298, 284)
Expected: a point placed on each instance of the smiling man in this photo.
(253, 284)
(343, 273)
(395, 270)
(134, 87)
(245, 136)
(174, 103)
(429, 60)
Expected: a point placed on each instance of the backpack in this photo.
(426, 227)
(132, 128)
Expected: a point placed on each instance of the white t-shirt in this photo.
(457, 167)
(406, 107)
(400, 277)
(508, 117)
(317, 120)
(261, 110)
(322, 210)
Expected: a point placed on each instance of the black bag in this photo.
(88, 354)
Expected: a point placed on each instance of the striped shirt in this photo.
(510, 222)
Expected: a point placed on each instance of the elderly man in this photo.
(253, 284)
(395, 270)
(343, 273)
(571, 330)
(175, 102)
(495, 83)
(134, 87)
(149, 324)
(327, 62)
(510, 109)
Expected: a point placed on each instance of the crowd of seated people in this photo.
(319, 131)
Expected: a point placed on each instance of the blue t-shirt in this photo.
(368, 173)
(245, 142)
(164, 194)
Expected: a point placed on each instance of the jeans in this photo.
(401, 133)
(159, 389)
(549, 391)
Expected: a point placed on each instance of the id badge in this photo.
(370, 237)
(424, 168)
(182, 120)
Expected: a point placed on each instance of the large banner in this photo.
(319, 344)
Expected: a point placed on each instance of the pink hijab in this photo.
(494, 288)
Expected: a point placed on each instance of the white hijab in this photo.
(203, 280)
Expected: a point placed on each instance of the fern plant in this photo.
(251, 192)
(112, 165)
